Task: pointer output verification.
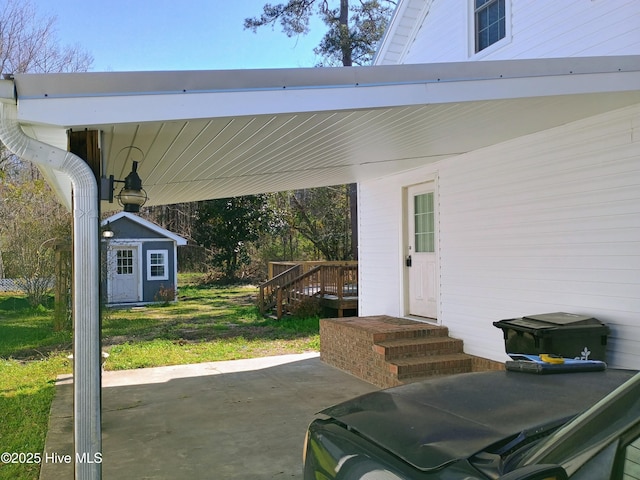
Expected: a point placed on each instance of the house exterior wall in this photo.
(443, 31)
(548, 222)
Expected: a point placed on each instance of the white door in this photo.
(124, 274)
(421, 258)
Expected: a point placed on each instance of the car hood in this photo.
(436, 422)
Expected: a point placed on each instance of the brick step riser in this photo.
(410, 378)
(434, 368)
(445, 347)
(430, 353)
(406, 335)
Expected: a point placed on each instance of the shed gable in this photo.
(128, 225)
(126, 228)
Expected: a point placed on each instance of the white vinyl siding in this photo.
(442, 37)
(549, 222)
(538, 29)
(379, 247)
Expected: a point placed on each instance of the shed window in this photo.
(490, 22)
(157, 265)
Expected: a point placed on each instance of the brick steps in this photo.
(416, 368)
(389, 351)
(418, 346)
(422, 352)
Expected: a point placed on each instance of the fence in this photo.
(9, 285)
(15, 285)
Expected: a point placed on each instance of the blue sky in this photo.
(131, 35)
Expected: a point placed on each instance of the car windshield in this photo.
(590, 431)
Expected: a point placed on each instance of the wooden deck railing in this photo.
(340, 281)
(305, 286)
(275, 268)
(336, 282)
(268, 293)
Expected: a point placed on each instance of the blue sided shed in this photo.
(141, 260)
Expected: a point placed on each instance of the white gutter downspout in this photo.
(86, 298)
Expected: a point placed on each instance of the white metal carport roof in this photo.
(214, 134)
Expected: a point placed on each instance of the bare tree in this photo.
(31, 218)
(28, 43)
(33, 223)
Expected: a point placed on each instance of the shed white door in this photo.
(124, 274)
(421, 262)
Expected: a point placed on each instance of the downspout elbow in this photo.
(44, 155)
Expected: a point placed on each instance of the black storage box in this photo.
(565, 334)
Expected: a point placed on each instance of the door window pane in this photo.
(124, 262)
(424, 223)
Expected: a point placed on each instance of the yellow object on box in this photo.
(545, 357)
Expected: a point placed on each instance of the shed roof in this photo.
(216, 134)
(147, 224)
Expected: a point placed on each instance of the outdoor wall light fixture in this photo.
(107, 233)
(131, 197)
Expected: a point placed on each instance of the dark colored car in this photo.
(478, 426)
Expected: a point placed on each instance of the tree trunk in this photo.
(353, 210)
(347, 62)
(345, 43)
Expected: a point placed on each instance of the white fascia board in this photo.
(96, 111)
(333, 90)
(532, 87)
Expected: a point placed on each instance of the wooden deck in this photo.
(333, 284)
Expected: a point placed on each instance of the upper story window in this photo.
(490, 22)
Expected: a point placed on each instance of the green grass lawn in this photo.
(206, 324)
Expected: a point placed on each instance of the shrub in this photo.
(306, 308)
(166, 294)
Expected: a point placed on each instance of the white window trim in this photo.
(165, 256)
(471, 19)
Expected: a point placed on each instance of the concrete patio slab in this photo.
(242, 419)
